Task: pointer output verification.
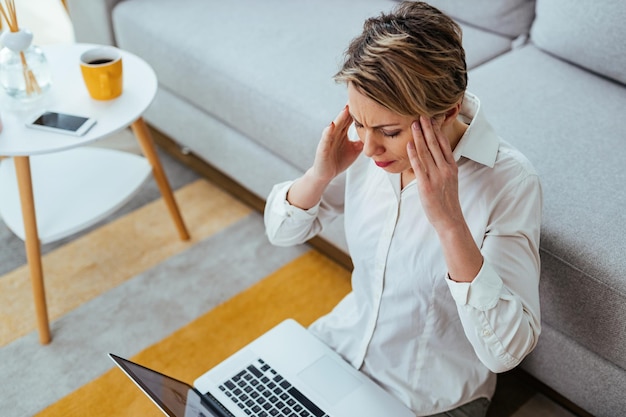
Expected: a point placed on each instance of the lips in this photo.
(383, 164)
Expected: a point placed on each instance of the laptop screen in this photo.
(175, 398)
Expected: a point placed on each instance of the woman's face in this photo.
(384, 133)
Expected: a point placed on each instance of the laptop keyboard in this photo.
(261, 392)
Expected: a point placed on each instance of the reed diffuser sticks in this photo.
(9, 14)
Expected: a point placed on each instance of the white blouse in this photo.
(432, 342)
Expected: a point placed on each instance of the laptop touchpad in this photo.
(326, 377)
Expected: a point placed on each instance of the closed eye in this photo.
(386, 133)
(391, 134)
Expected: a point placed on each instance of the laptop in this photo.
(287, 371)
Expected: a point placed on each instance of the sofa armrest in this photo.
(92, 20)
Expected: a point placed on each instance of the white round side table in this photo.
(51, 186)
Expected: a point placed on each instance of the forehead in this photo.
(370, 113)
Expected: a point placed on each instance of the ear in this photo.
(451, 114)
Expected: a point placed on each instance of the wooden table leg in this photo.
(33, 246)
(147, 146)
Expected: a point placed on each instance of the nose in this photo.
(371, 146)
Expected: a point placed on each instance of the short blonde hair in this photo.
(410, 61)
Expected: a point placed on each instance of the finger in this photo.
(424, 155)
(343, 122)
(337, 131)
(444, 144)
(343, 119)
(413, 159)
(327, 132)
(432, 134)
(338, 128)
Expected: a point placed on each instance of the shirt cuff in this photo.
(297, 213)
(482, 294)
(284, 209)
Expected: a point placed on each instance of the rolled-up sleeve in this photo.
(500, 309)
(287, 225)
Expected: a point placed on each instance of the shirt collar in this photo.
(480, 142)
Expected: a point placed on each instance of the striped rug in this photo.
(129, 286)
(303, 289)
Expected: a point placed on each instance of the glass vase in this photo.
(24, 73)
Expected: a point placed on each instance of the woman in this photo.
(441, 217)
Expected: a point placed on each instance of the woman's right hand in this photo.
(335, 151)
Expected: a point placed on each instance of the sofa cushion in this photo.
(591, 34)
(541, 105)
(263, 68)
(505, 17)
(481, 46)
(259, 67)
(564, 365)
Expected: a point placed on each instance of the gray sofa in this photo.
(247, 87)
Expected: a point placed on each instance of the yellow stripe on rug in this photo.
(304, 289)
(113, 253)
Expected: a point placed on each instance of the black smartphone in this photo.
(69, 124)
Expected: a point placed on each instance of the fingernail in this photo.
(415, 125)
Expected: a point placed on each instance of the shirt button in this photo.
(486, 333)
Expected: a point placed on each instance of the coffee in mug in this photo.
(102, 72)
(100, 61)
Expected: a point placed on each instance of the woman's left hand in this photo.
(437, 178)
(436, 173)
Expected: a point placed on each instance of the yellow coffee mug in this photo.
(102, 72)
